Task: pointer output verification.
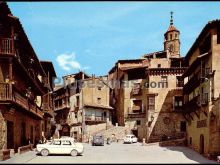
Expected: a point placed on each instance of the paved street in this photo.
(118, 153)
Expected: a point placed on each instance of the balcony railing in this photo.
(95, 118)
(61, 107)
(192, 105)
(18, 99)
(137, 115)
(4, 91)
(191, 84)
(6, 46)
(47, 109)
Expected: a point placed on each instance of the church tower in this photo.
(171, 40)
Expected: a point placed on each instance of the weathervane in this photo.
(171, 18)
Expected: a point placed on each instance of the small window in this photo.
(171, 36)
(163, 78)
(56, 142)
(138, 122)
(178, 102)
(66, 142)
(159, 65)
(77, 101)
(179, 81)
(99, 88)
(151, 102)
(175, 35)
(99, 100)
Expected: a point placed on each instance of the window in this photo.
(99, 88)
(164, 79)
(137, 106)
(179, 81)
(77, 101)
(136, 89)
(57, 142)
(66, 142)
(175, 35)
(171, 36)
(159, 65)
(151, 102)
(99, 100)
(178, 102)
(183, 126)
(138, 122)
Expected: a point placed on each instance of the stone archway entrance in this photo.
(202, 145)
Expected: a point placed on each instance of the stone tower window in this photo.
(175, 35)
(171, 36)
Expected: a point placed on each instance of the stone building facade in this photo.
(201, 91)
(88, 110)
(22, 85)
(148, 95)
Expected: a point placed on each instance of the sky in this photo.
(93, 36)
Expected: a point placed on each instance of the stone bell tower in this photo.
(171, 40)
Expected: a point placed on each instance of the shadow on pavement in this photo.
(191, 154)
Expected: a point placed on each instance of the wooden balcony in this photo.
(19, 100)
(192, 105)
(95, 119)
(47, 109)
(193, 83)
(6, 46)
(61, 107)
(137, 115)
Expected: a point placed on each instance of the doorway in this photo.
(201, 144)
(23, 134)
(10, 135)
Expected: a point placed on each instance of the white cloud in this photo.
(68, 61)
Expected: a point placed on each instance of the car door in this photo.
(67, 146)
(55, 147)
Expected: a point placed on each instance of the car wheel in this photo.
(44, 152)
(74, 153)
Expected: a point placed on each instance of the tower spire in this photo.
(171, 18)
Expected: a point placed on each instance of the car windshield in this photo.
(97, 137)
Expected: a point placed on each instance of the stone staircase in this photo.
(119, 132)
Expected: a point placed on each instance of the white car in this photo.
(60, 146)
(130, 139)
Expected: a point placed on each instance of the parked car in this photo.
(98, 140)
(130, 139)
(60, 146)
